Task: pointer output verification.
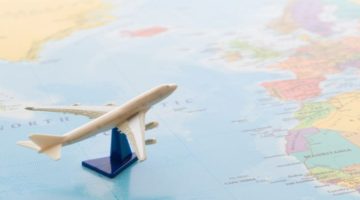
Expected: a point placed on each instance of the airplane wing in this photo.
(134, 128)
(88, 111)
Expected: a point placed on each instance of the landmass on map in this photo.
(26, 26)
(145, 32)
(327, 139)
(311, 64)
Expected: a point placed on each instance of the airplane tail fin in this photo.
(47, 144)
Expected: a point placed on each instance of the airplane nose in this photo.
(172, 86)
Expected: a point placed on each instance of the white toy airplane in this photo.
(129, 118)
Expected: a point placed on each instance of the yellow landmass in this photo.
(345, 118)
(232, 57)
(285, 23)
(25, 26)
(347, 177)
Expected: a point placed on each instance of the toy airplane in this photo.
(129, 118)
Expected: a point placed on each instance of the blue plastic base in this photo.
(120, 157)
(106, 167)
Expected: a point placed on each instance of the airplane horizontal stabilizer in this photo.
(29, 144)
(47, 144)
(54, 152)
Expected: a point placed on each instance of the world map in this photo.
(268, 104)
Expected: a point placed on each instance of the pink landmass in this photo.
(350, 64)
(146, 32)
(296, 140)
(297, 89)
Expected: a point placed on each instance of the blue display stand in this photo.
(120, 157)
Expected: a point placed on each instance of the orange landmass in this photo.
(146, 32)
(311, 64)
(298, 89)
(344, 118)
(232, 57)
(324, 58)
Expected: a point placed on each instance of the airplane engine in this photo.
(151, 125)
(150, 141)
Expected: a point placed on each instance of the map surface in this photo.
(268, 104)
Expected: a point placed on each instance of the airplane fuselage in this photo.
(118, 115)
